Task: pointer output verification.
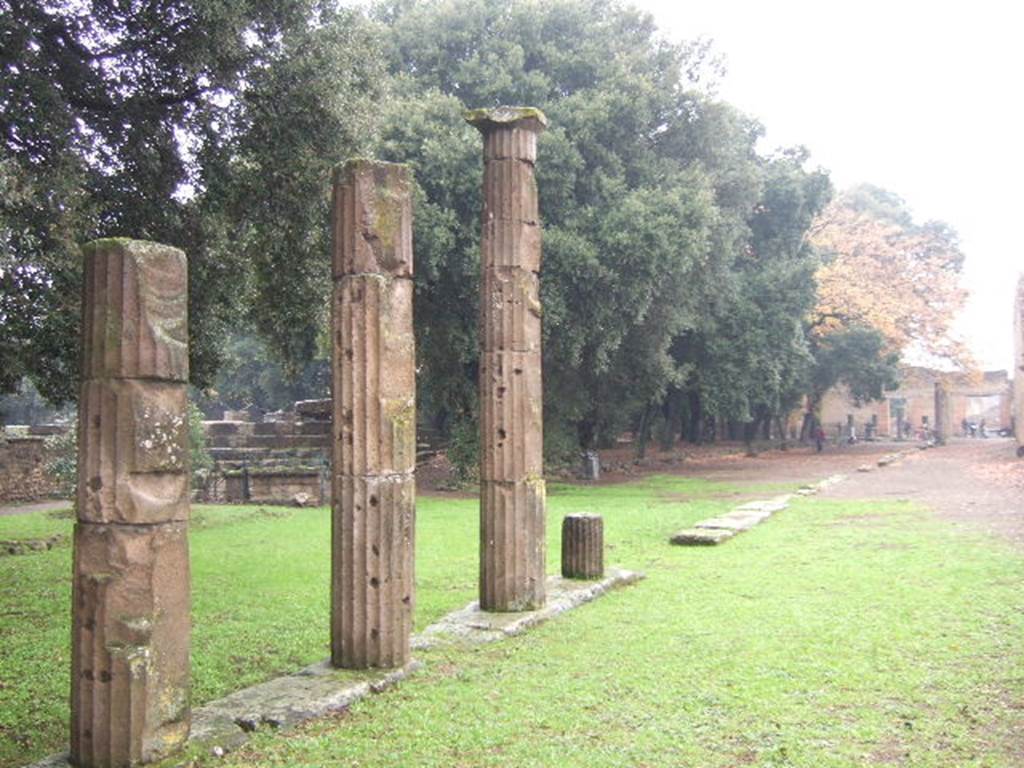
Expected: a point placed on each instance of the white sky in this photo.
(922, 98)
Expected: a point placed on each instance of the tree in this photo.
(882, 270)
(629, 228)
(209, 126)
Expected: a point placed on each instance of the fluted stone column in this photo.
(374, 417)
(942, 413)
(1018, 360)
(583, 546)
(130, 595)
(512, 502)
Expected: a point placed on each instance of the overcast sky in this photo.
(922, 98)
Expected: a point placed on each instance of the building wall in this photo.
(971, 398)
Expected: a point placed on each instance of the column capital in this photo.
(524, 118)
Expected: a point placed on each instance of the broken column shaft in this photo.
(582, 546)
(374, 417)
(130, 594)
(512, 495)
(942, 413)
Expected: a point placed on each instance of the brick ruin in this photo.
(271, 462)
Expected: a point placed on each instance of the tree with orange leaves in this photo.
(881, 270)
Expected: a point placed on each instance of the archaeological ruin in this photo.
(512, 496)
(130, 592)
(374, 433)
(1018, 366)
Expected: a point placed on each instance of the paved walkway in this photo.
(36, 506)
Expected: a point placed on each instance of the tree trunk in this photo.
(696, 431)
(781, 428)
(672, 410)
(644, 433)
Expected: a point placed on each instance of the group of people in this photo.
(970, 429)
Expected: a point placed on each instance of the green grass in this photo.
(836, 634)
(36, 525)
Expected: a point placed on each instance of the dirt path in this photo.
(37, 506)
(975, 483)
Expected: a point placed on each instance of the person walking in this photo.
(819, 437)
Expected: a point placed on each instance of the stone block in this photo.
(372, 219)
(134, 313)
(133, 447)
(314, 410)
(510, 192)
(373, 578)
(374, 376)
(512, 545)
(130, 643)
(702, 536)
(511, 416)
(511, 244)
(510, 311)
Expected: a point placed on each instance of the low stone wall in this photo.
(279, 487)
(23, 475)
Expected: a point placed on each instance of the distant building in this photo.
(987, 396)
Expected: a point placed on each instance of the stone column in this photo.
(1018, 365)
(374, 417)
(582, 546)
(942, 414)
(512, 527)
(130, 595)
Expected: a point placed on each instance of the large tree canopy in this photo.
(679, 282)
(208, 126)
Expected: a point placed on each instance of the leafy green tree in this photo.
(629, 229)
(209, 126)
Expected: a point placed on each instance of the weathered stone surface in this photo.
(474, 625)
(374, 376)
(702, 536)
(735, 521)
(374, 418)
(512, 545)
(582, 546)
(130, 594)
(512, 505)
(509, 132)
(511, 244)
(130, 643)
(133, 440)
(372, 219)
(510, 310)
(511, 416)
(510, 193)
(134, 314)
(373, 580)
(943, 416)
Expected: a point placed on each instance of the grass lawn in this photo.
(836, 634)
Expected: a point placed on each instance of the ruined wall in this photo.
(23, 475)
(971, 397)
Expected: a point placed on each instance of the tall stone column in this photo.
(374, 417)
(130, 595)
(512, 501)
(942, 413)
(1018, 365)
